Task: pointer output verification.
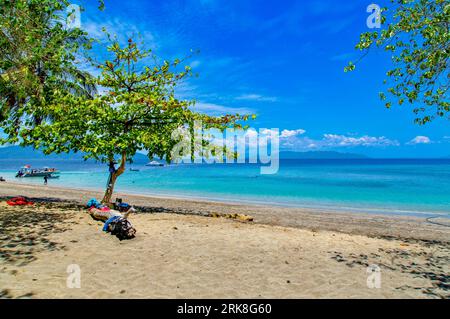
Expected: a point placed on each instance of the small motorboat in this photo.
(154, 163)
(27, 171)
(134, 170)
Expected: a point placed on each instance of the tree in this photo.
(137, 112)
(417, 35)
(38, 55)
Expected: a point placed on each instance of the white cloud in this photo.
(419, 140)
(333, 141)
(291, 133)
(284, 133)
(295, 140)
(267, 131)
(216, 109)
(342, 140)
(256, 97)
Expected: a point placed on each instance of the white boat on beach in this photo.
(27, 171)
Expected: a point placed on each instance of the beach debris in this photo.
(240, 217)
(120, 227)
(338, 257)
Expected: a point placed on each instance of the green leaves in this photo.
(37, 59)
(101, 5)
(52, 104)
(350, 67)
(418, 37)
(138, 111)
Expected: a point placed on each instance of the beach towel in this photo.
(19, 201)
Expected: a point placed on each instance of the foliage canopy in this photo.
(417, 34)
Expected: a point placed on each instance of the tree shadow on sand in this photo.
(25, 230)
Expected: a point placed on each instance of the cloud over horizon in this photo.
(419, 140)
(217, 109)
(334, 141)
(256, 97)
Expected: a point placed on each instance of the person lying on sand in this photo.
(105, 214)
(115, 222)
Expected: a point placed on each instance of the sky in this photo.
(284, 61)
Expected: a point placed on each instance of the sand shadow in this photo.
(25, 230)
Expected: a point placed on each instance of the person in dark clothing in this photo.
(45, 179)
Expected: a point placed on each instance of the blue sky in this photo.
(282, 60)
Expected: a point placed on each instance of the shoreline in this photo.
(231, 201)
(350, 222)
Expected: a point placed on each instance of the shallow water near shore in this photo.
(403, 186)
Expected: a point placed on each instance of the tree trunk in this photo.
(110, 188)
(112, 180)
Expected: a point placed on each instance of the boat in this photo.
(154, 163)
(27, 171)
(134, 170)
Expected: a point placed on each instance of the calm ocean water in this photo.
(372, 185)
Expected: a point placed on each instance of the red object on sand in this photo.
(19, 201)
(102, 209)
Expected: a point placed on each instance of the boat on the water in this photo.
(27, 171)
(134, 170)
(154, 163)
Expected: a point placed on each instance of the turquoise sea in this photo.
(394, 186)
